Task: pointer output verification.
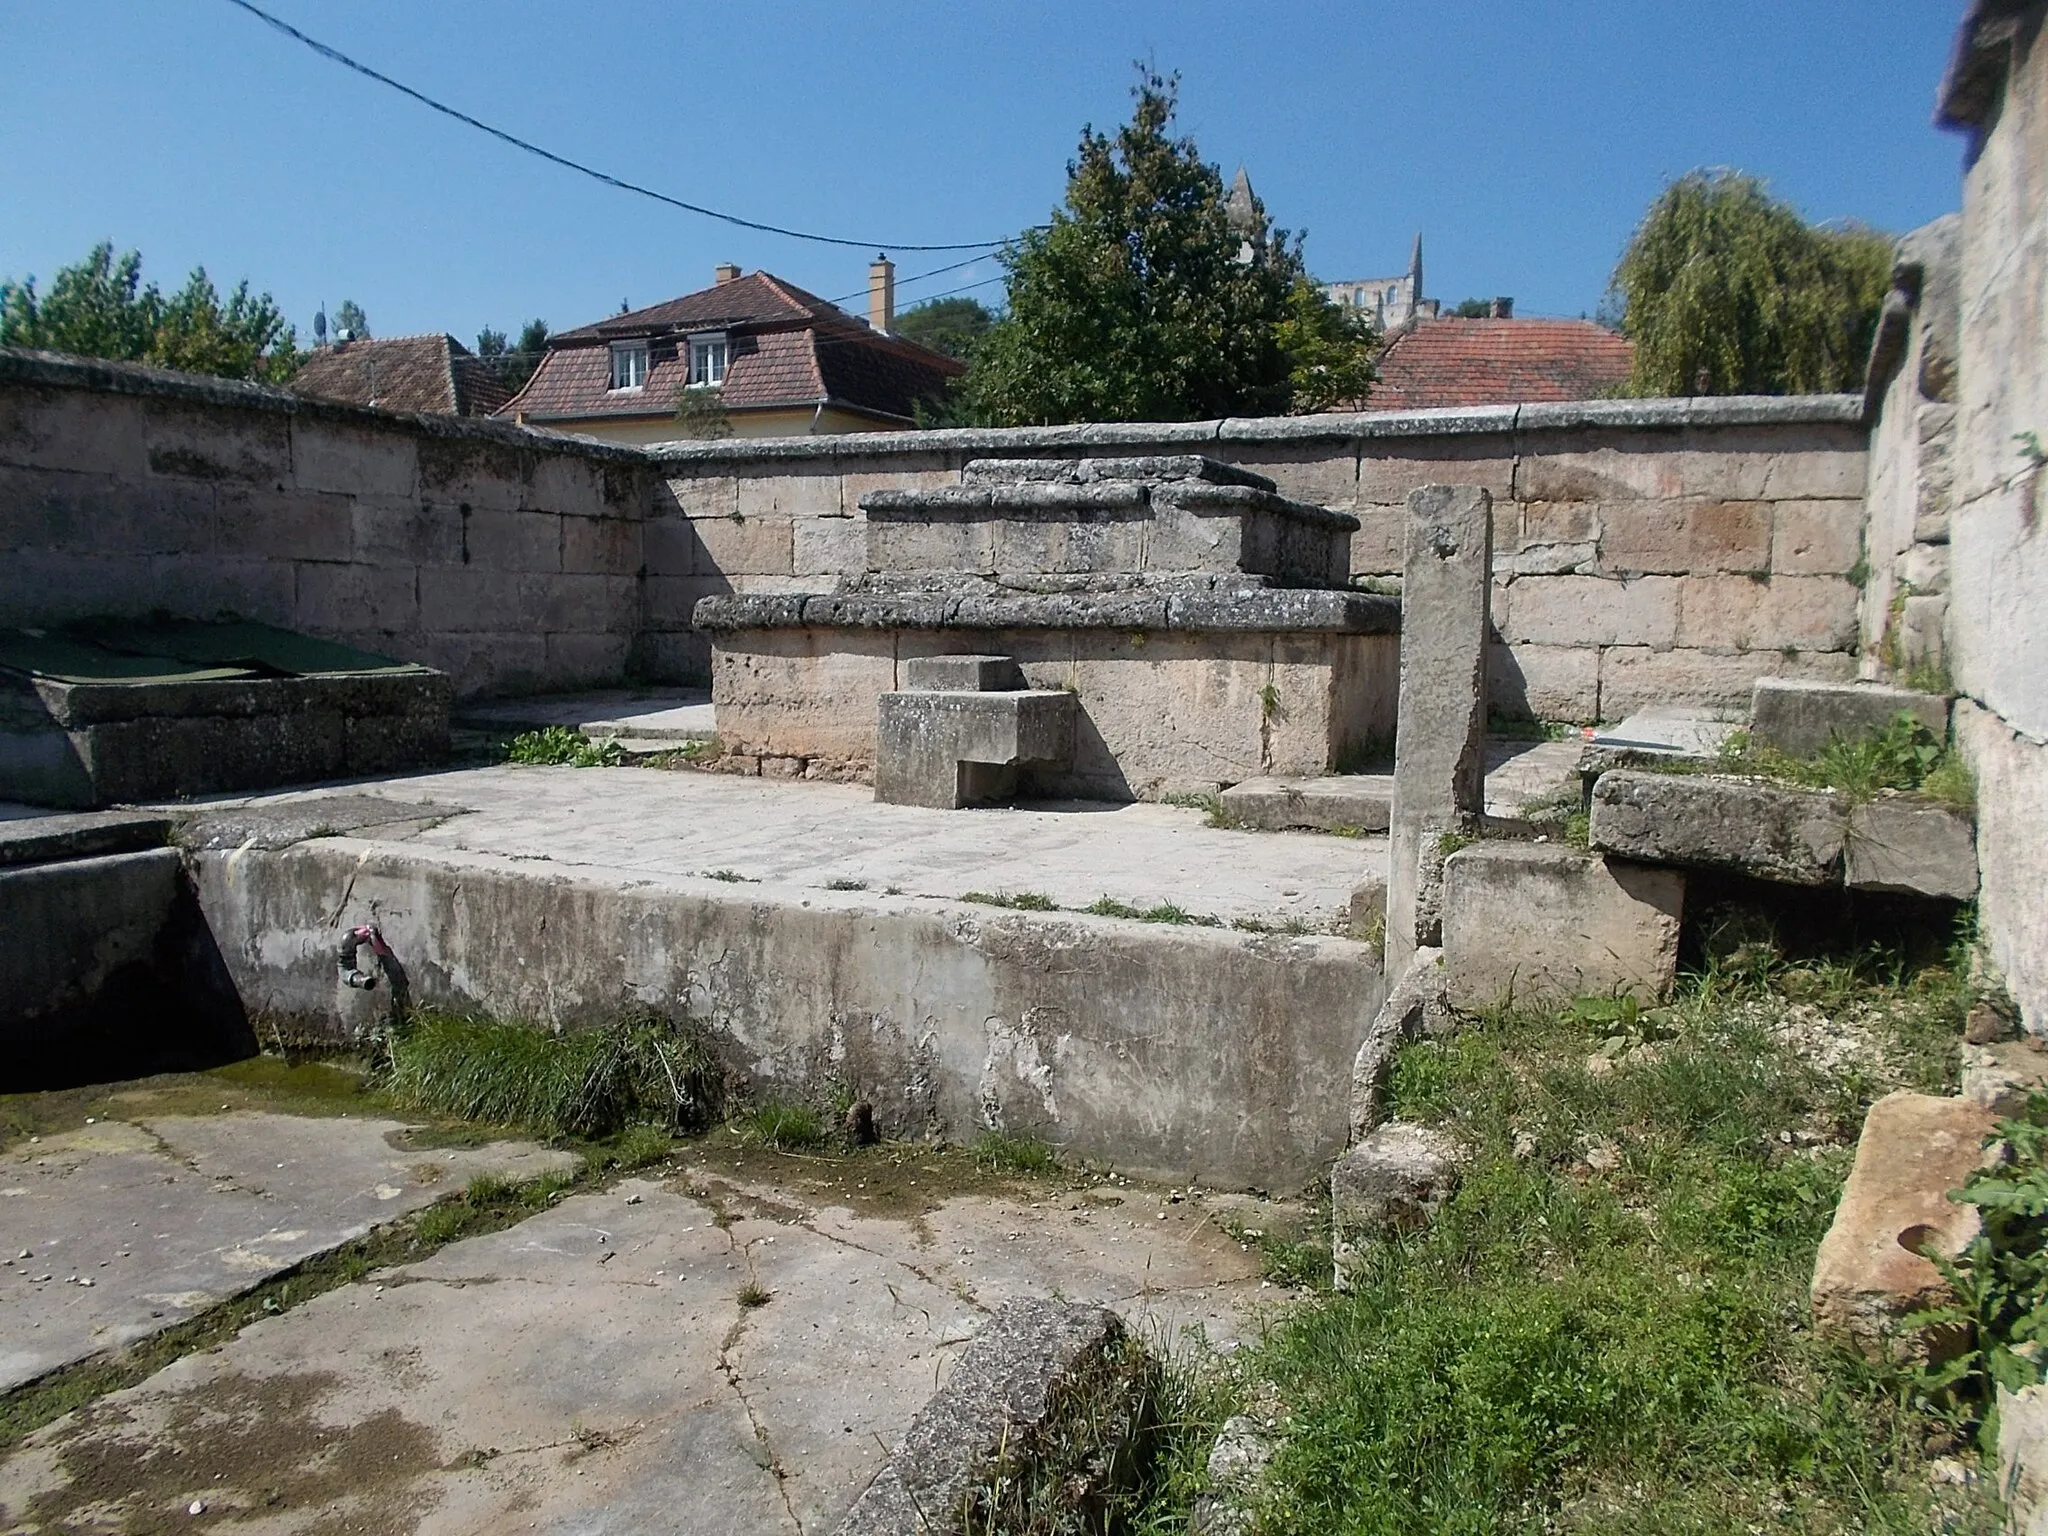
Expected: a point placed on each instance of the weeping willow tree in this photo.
(1726, 291)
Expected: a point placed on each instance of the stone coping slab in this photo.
(785, 834)
(1359, 426)
(132, 1227)
(1092, 501)
(1352, 802)
(39, 838)
(1260, 610)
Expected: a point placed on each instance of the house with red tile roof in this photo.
(1498, 361)
(780, 361)
(435, 374)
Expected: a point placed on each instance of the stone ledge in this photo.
(1278, 609)
(1353, 802)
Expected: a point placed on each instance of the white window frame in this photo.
(710, 358)
(629, 366)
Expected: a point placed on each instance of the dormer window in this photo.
(707, 361)
(629, 365)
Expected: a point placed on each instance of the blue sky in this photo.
(1522, 137)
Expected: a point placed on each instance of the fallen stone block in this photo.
(1529, 921)
(1035, 1374)
(1799, 718)
(1391, 1182)
(2004, 1075)
(1895, 1210)
(1913, 846)
(1352, 802)
(2023, 1459)
(948, 750)
(1243, 1450)
(1765, 830)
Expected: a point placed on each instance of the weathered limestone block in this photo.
(1004, 1400)
(1353, 802)
(1365, 917)
(962, 674)
(948, 750)
(1531, 920)
(1765, 830)
(1391, 1182)
(1913, 846)
(2004, 1074)
(2023, 1459)
(1872, 1270)
(1799, 717)
(1440, 725)
(1237, 1465)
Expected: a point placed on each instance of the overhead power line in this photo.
(516, 142)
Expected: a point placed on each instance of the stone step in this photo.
(1346, 802)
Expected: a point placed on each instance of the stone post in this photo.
(1440, 736)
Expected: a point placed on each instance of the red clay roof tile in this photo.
(1452, 362)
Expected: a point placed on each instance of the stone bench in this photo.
(961, 730)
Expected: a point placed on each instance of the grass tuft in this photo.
(753, 1294)
(586, 1082)
(995, 1152)
(787, 1127)
(1164, 912)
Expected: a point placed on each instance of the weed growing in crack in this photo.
(843, 884)
(753, 1294)
(559, 746)
(730, 877)
(1163, 912)
(1021, 901)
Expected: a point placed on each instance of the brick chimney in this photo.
(1503, 309)
(726, 272)
(882, 294)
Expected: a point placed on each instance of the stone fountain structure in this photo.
(1097, 628)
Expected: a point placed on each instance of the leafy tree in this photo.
(1329, 350)
(953, 326)
(102, 308)
(1725, 290)
(1142, 301)
(350, 317)
(1473, 309)
(513, 362)
(701, 413)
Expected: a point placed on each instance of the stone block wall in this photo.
(1645, 551)
(509, 559)
(1996, 94)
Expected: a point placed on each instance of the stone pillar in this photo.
(1440, 737)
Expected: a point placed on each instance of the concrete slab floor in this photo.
(122, 1228)
(597, 1368)
(808, 835)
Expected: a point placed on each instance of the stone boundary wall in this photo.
(1645, 551)
(1996, 92)
(509, 559)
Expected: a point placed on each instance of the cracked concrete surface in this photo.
(131, 1227)
(596, 1369)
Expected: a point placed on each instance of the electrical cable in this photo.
(516, 142)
